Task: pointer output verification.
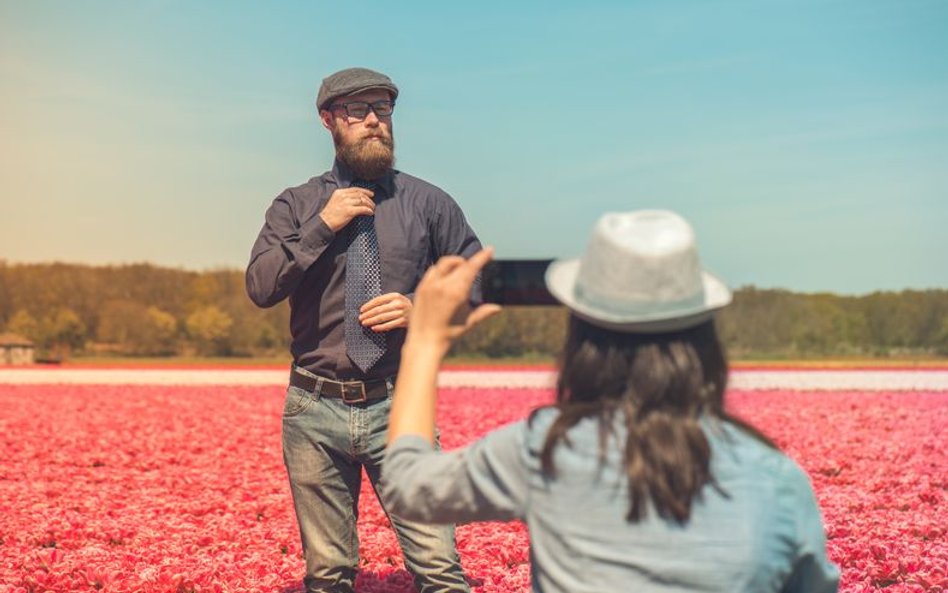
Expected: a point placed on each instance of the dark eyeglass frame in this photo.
(380, 108)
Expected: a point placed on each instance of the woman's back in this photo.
(758, 530)
(747, 534)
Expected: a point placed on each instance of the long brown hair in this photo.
(662, 385)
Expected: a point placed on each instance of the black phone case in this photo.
(516, 282)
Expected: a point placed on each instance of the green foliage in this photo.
(24, 324)
(58, 333)
(210, 328)
(63, 331)
(941, 337)
(780, 324)
(129, 327)
(144, 310)
(515, 332)
(137, 309)
(159, 332)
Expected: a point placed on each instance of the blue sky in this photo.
(806, 141)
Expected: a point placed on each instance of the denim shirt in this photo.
(760, 532)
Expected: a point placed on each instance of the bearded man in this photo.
(348, 249)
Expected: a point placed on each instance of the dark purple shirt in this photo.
(297, 255)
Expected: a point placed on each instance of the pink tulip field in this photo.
(181, 488)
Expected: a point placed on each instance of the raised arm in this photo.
(484, 481)
(441, 314)
(283, 251)
(286, 246)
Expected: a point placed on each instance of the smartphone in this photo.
(516, 282)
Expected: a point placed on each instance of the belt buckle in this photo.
(353, 392)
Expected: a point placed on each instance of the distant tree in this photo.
(491, 338)
(145, 309)
(24, 324)
(252, 334)
(119, 323)
(63, 332)
(159, 333)
(269, 338)
(516, 331)
(539, 330)
(133, 328)
(209, 328)
(941, 338)
(6, 294)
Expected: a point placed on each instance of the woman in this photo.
(637, 479)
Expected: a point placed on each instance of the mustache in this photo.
(385, 139)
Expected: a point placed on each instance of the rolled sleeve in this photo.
(453, 235)
(283, 251)
(486, 481)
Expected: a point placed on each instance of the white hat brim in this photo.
(561, 282)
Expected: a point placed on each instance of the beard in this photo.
(369, 158)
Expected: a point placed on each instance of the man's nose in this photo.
(371, 119)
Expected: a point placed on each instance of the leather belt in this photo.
(350, 392)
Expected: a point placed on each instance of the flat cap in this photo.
(351, 81)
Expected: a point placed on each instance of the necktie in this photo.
(363, 282)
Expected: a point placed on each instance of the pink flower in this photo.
(182, 489)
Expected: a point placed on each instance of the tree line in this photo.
(147, 310)
(136, 310)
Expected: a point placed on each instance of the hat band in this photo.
(629, 307)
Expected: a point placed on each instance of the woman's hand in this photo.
(441, 313)
(442, 310)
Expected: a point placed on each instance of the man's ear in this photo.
(326, 117)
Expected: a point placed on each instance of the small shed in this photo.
(16, 350)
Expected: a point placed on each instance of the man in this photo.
(348, 248)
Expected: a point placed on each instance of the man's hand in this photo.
(345, 204)
(386, 312)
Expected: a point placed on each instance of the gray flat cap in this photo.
(351, 81)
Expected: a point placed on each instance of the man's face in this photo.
(366, 145)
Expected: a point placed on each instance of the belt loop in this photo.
(319, 387)
(390, 386)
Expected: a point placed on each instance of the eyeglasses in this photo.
(359, 110)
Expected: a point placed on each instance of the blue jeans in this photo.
(326, 443)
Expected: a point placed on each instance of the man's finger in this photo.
(380, 317)
(448, 263)
(375, 302)
(360, 190)
(394, 324)
(384, 299)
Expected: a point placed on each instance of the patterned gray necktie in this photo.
(363, 283)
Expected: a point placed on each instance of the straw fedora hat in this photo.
(640, 274)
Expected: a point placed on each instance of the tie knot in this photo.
(366, 184)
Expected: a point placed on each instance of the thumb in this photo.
(481, 313)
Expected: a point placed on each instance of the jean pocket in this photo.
(296, 401)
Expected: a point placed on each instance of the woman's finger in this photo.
(448, 263)
(481, 313)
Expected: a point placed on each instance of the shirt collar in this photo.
(344, 177)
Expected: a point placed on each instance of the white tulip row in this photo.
(886, 380)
